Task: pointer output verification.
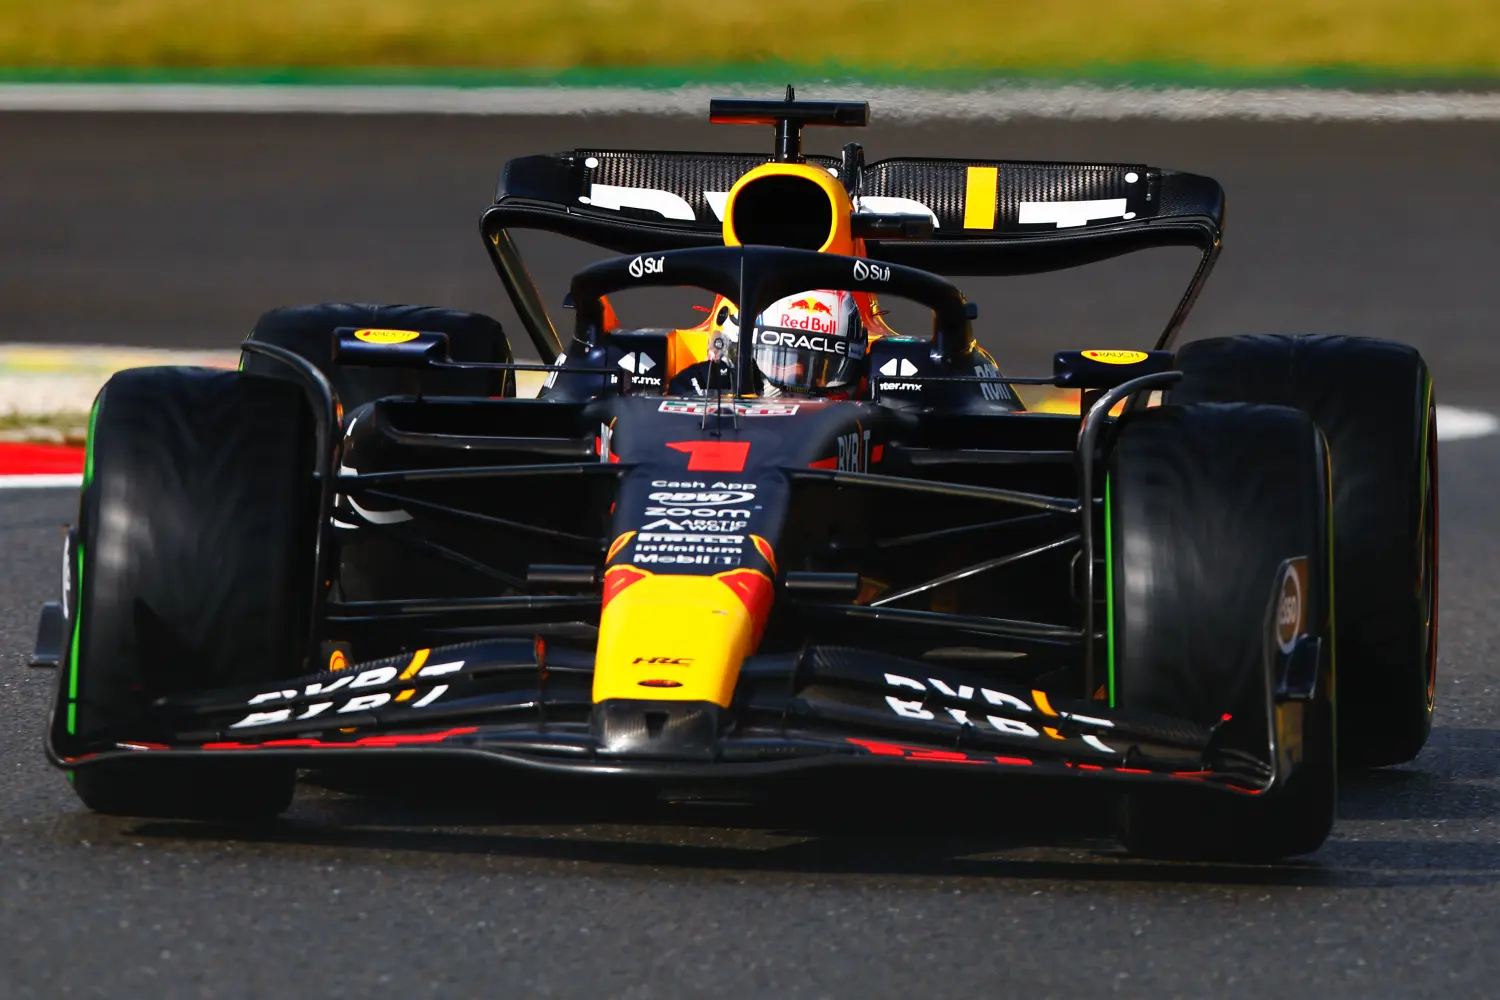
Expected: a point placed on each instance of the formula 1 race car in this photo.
(788, 539)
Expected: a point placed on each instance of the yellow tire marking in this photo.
(406, 695)
(1040, 697)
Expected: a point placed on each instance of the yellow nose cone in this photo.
(679, 638)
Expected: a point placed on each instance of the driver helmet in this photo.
(812, 342)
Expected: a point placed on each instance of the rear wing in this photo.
(989, 217)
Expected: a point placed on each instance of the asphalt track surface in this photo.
(176, 231)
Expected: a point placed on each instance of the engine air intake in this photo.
(784, 211)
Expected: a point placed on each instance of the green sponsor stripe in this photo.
(1109, 586)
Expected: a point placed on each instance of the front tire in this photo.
(193, 570)
(1205, 506)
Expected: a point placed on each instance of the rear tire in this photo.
(1373, 400)
(194, 570)
(308, 331)
(1204, 504)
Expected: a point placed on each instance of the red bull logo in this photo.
(812, 324)
(812, 305)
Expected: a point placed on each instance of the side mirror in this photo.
(389, 348)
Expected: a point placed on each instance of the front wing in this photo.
(520, 703)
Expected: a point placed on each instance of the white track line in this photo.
(39, 482)
(1454, 424)
(888, 103)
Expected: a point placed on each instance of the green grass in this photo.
(1113, 39)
